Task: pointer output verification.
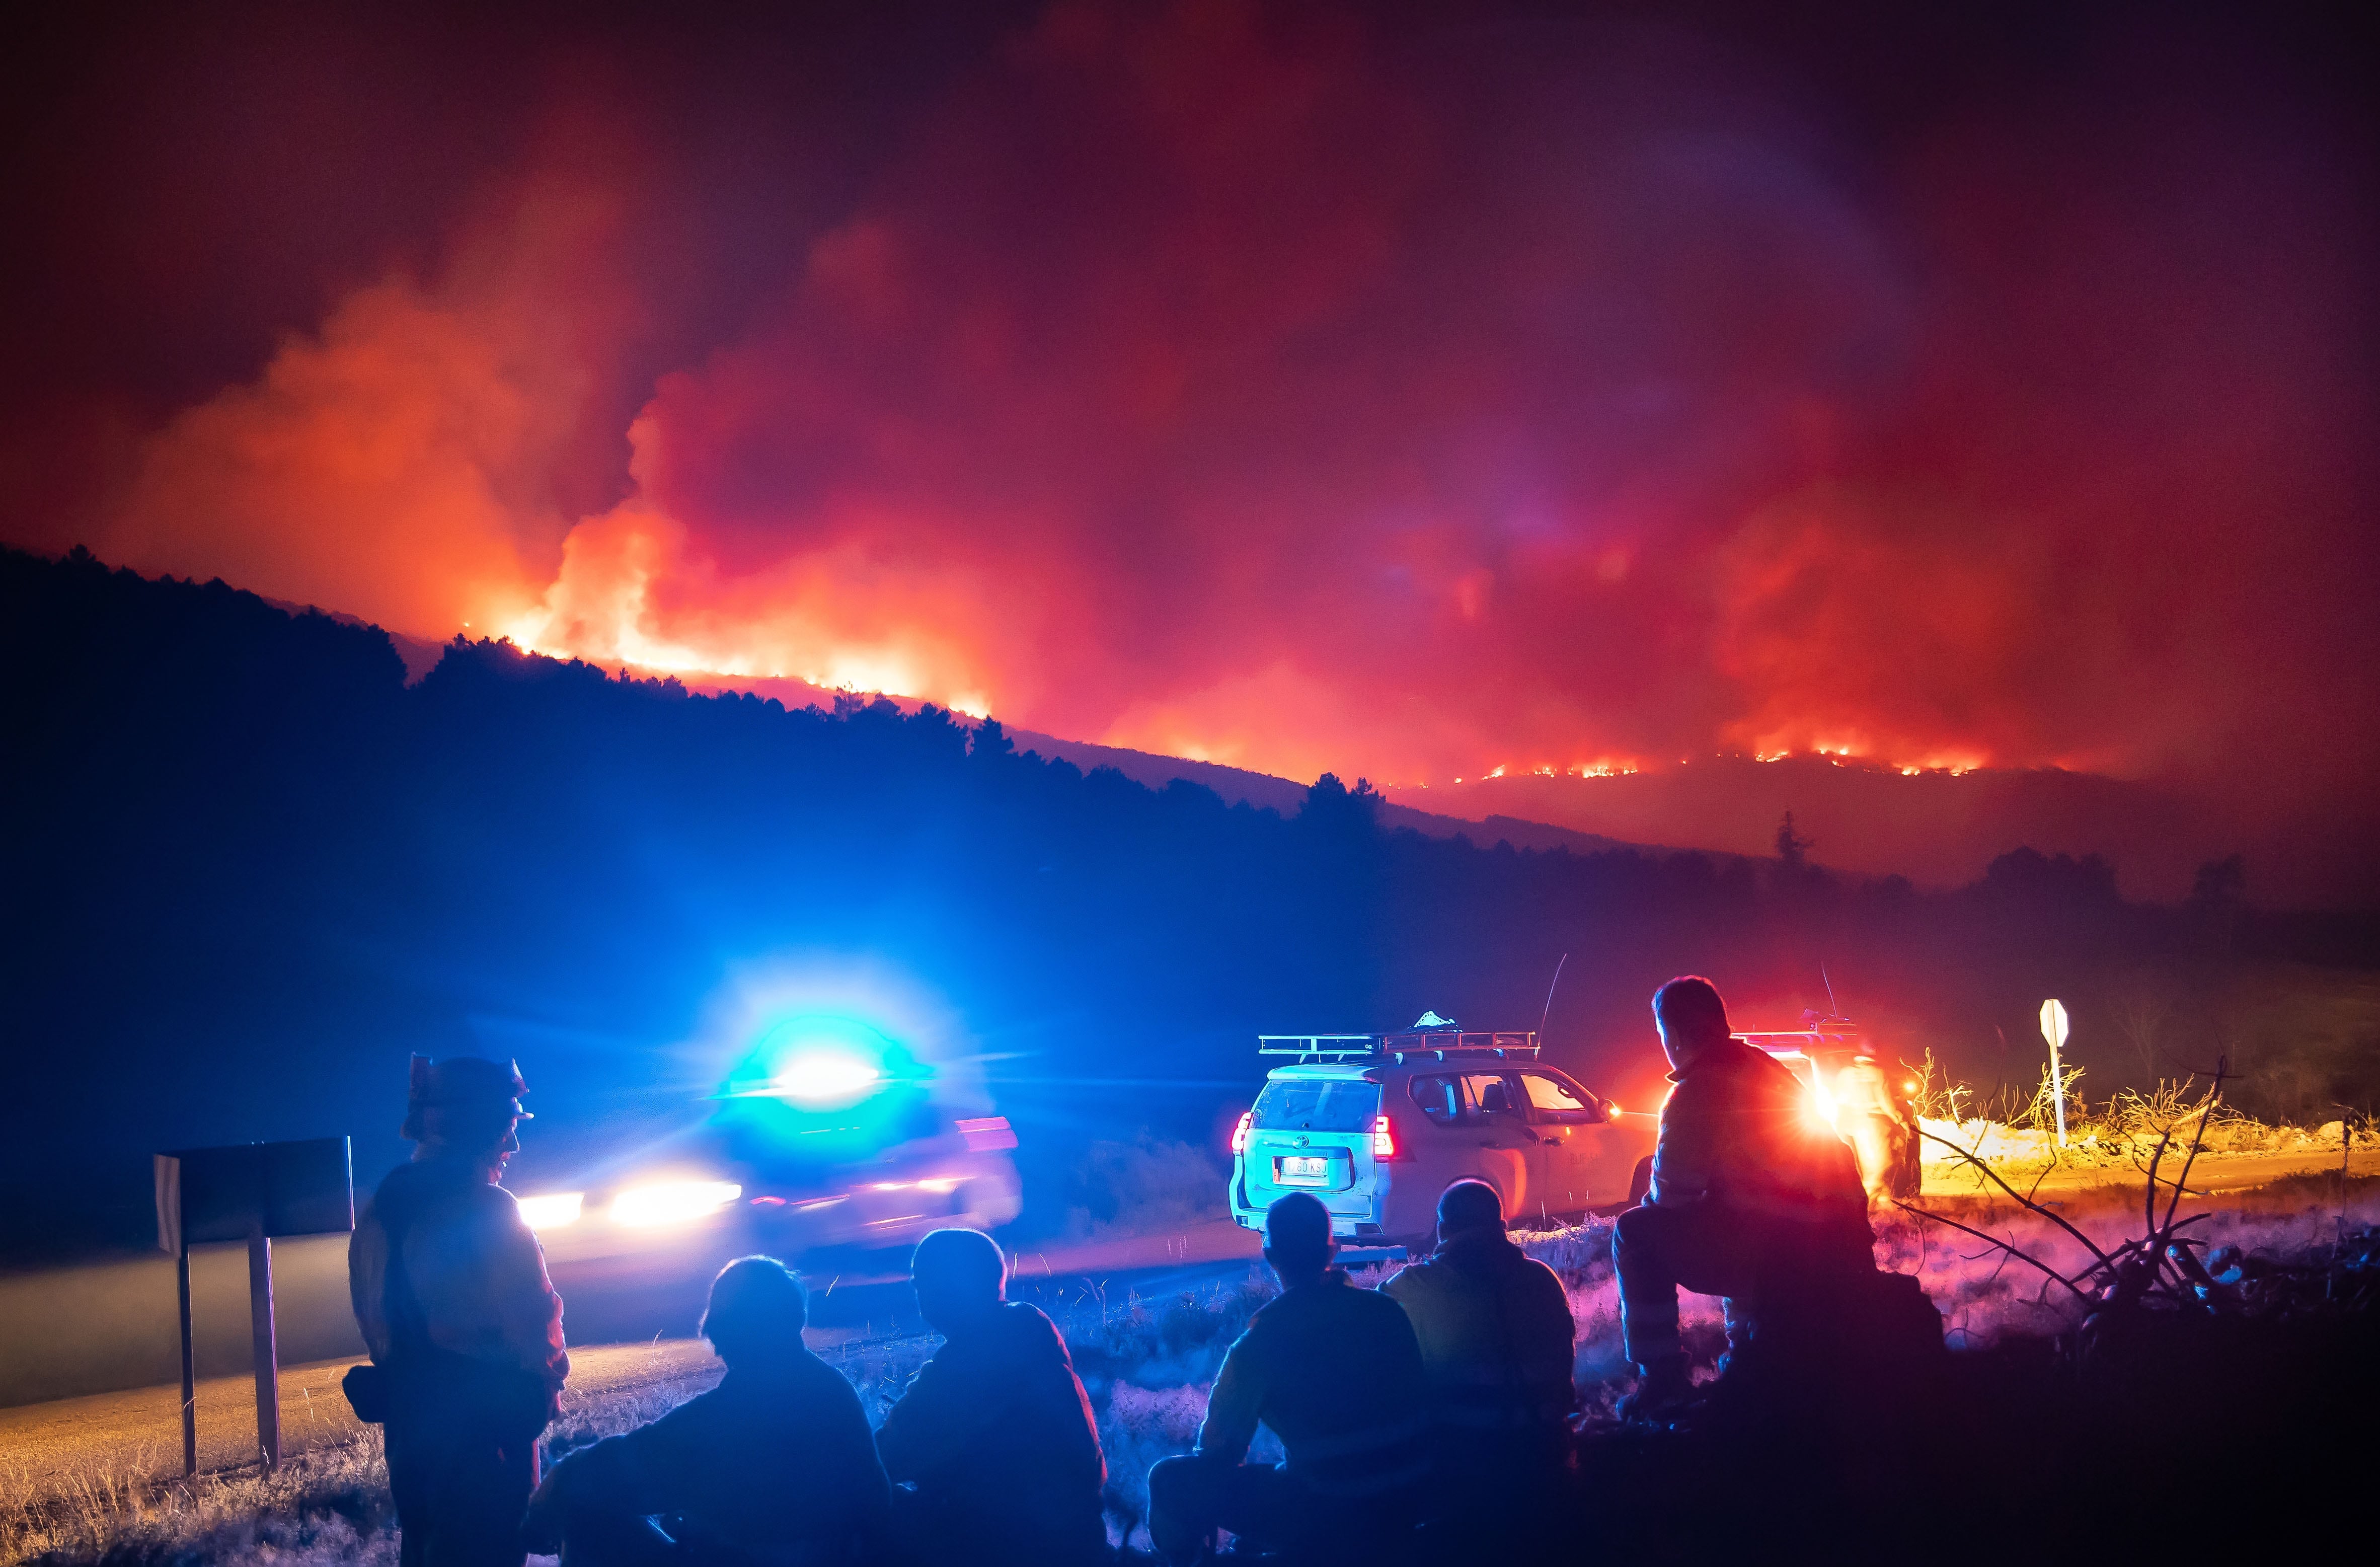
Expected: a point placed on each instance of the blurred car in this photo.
(820, 1145)
(1377, 1125)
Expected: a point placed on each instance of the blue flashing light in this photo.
(822, 1066)
(824, 1077)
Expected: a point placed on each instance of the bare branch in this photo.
(2213, 1099)
(2163, 1139)
(2056, 1218)
(2008, 1247)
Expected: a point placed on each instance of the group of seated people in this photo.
(1458, 1369)
(1452, 1380)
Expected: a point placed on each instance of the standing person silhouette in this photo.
(450, 1289)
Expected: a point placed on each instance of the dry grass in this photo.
(330, 1505)
(2017, 1133)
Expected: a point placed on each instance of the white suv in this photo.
(1377, 1125)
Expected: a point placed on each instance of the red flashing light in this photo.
(1384, 1139)
(1240, 1131)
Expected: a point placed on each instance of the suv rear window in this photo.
(1317, 1105)
(1438, 1098)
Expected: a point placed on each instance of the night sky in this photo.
(1400, 391)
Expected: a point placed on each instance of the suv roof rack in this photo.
(1440, 1042)
(1824, 1033)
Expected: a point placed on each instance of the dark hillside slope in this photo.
(247, 869)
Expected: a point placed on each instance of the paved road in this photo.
(135, 1433)
(109, 1325)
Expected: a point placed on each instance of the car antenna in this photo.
(1550, 1000)
(1833, 1010)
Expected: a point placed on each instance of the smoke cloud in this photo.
(1312, 389)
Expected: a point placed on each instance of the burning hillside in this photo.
(1591, 394)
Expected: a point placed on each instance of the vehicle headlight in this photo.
(553, 1210)
(672, 1202)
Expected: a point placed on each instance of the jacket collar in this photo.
(1476, 1243)
(1702, 1060)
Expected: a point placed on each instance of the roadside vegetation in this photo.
(2018, 1132)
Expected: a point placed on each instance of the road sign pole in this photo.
(189, 1373)
(268, 1360)
(252, 1192)
(2053, 1028)
(2057, 1090)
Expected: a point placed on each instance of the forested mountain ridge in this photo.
(249, 869)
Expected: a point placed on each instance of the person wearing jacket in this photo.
(1496, 1338)
(1336, 1374)
(773, 1467)
(450, 1289)
(1751, 1198)
(996, 1434)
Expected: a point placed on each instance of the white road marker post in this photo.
(2054, 1029)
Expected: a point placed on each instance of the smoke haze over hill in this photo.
(1306, 388)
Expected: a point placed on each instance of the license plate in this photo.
(1302, 1170)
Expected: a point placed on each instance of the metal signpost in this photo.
(249, 1192)
(2053, 1028)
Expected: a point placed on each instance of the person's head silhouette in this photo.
(757, 1312)
(1297, 1239)
(1469, 1207)
(961, 1278)
(1690, 1018)
(465, 1107)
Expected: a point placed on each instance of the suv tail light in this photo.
(1240, 1131)
(1384, 1139)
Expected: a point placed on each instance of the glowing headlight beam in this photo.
(553, 1210)
(672, 1202)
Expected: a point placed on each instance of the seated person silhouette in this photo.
(773, 1467)
(1336, 1373)
(1495, 1342)
(996, 1435)
(1748, 1201)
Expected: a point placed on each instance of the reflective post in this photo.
(190, 1372)
(268, 1360)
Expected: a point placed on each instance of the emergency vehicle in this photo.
(830, 1135)
(957, 1173)
(1847, 1080)
(1377, 1125)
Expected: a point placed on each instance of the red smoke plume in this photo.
(1309, 391)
